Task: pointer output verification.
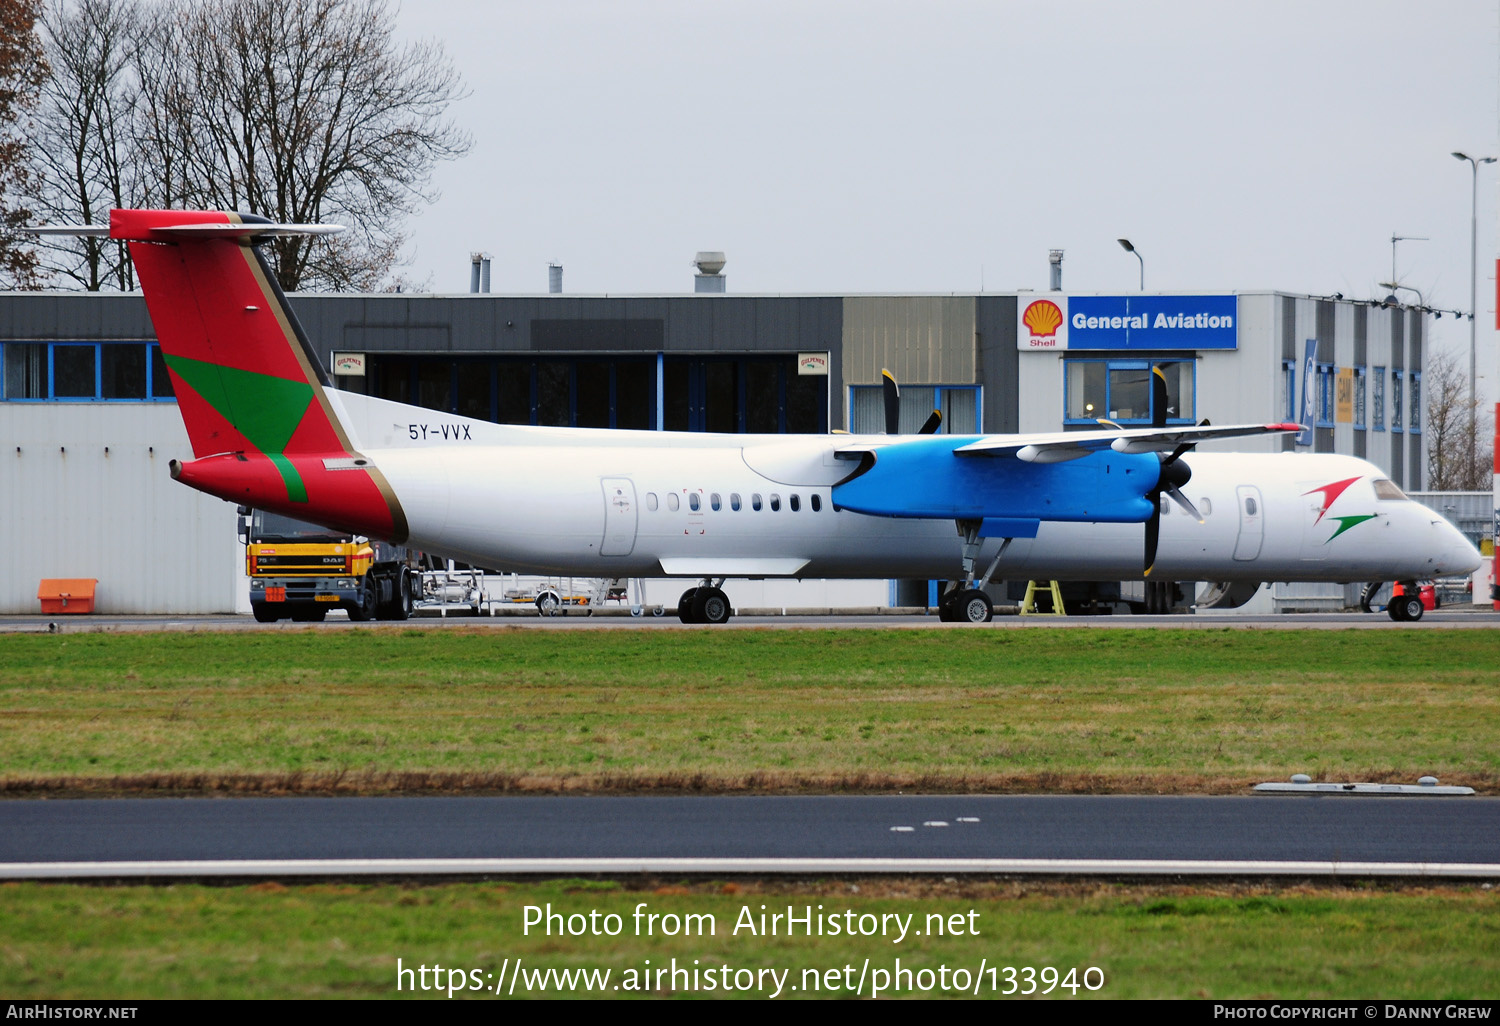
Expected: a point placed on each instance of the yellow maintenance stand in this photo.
(1028, 604)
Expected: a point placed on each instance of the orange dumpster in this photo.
(67, 594)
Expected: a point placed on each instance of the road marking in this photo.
(229, 868)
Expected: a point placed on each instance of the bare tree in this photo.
(1456, 460)
(301, 112)
(22, 69)
(304, 112)
(84, 158)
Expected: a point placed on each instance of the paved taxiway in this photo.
(1464, 618)
(1305, 834)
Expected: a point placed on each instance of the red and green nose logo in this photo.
(1331, 493)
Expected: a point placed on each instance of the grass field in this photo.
(330, 940)
(496, 709)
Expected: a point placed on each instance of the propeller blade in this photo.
(1158, 396)
(930, 426)
(892, 402)
(1182, 500)
(1153, 533)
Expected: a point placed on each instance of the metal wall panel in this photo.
(926, 340)
(69, 509)
(998, 362)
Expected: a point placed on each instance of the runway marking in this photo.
(229, 868)
(903, 830)
(935, 823)
(968, 819)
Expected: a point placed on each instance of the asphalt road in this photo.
(1166, 830)
(1465, 618)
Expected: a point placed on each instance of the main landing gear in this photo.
(967, 602)
(706, 603)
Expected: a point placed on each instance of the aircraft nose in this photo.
(1457, 555)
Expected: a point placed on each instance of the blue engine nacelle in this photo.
(925, 479)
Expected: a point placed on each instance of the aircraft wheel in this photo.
(548, 603)
(710, 605)
(263, 612)
(685, 606)
(1411, 608)
(973, 606)
(945, 607)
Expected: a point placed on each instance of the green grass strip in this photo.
(322, 941)
(512, 708)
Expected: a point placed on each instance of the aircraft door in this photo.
(1252, 522)
(619, 517)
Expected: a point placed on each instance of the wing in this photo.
(1061, 446)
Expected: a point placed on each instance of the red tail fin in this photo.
(249, 386)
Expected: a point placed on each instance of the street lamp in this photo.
(1125, 244)
(1393, 286)
(1473, 286)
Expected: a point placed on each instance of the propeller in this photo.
(892, 402)
(892, 394)
(1173, 474)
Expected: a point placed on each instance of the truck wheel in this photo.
(364, 607)
(263, 612)
(401, 608)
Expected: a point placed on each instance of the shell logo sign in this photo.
(1043, 326)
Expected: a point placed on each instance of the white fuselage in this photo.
(622, 503)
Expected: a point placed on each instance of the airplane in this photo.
(268, 430)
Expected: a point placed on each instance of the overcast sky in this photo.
(943, 145)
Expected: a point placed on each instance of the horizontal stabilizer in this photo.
(138, 227)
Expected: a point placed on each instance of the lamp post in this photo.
(1470, 470)
(1125, 244)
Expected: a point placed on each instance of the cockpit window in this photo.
(1386, 489)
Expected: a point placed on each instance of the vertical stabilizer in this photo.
(247, 382)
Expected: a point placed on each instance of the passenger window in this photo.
(1166, 505)
(755, 502)
(672, 501)
(694, 502)
(1205, 506)
(817, 503)
(1250, 506)
(651, 501)
(715, 502)
(734, 501)
(794, 501)
(775, 502)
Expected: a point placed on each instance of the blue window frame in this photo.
(962, 407)
(1325, 395)
(1377, 418)
(1359, 398)
(1289, 388)
(1396, 382)
(1120, 391)
(132, 372)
